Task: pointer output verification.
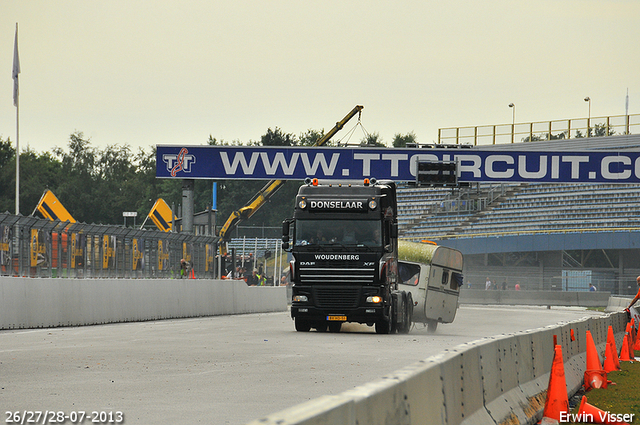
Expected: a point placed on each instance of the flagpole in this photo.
(18, 159)
(16, 71)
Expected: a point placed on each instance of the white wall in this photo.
(37, 303)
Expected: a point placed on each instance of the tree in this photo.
(372, 140)
(532, 138)
(559, 136)
(277, 138)
(400, 141)
(7, 152)
(311, 137)
(598, 130)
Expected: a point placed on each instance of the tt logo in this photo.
(180, 162)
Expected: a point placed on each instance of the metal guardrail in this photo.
(540, 130)
(34, 247)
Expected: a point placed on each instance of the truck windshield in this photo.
(366, 233)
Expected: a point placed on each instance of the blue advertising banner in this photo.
(297, 163)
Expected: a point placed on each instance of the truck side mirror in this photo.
(285, 234)
(285, 230)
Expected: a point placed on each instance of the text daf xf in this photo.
(343, 238)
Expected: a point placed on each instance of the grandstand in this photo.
(521, 209)
(543, 235)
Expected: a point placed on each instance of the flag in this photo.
(16, 69)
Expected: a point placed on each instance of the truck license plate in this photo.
(337, 318)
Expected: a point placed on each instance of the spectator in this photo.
(252, 280)
(183, 268)
(592, 288)
(487, 285)
(517, 288)
(637, 297)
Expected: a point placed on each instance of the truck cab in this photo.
(343, 240)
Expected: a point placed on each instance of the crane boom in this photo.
(267, 191)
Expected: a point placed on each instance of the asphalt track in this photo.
(223, 369)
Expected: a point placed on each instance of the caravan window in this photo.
(409, 273)
(456, 280)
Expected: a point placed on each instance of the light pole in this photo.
(588, 99)
(513, 121)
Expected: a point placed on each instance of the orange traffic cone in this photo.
(193, 274)
(630, 340)
(588, 413)
(593, 359)
(624, 351)
(594, 375)
(612, 340)
(609, 363)
(557, 398)
(636, 346)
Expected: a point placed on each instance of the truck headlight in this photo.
(374, 299)
(302, 204)
(300, 299)
(373, 204)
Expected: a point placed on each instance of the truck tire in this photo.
(396, 303)
(408, 313)
(302, 325)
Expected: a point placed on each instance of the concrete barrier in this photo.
(494, 380)
(38, 303)
(618, 303)
(548, 298)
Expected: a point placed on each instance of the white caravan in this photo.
(433, 275)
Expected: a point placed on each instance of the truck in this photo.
(433, 276)
(343, 240)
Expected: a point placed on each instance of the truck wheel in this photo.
(334, 327)
(302, 325)
(396, 308)
(408, 314)
(432, 325)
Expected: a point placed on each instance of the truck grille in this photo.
(349, 276)
(336, 297)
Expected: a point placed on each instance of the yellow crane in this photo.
(50, 207)
(263, 195)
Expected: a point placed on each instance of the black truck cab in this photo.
(343, 240)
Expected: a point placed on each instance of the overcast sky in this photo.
(174, 72)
